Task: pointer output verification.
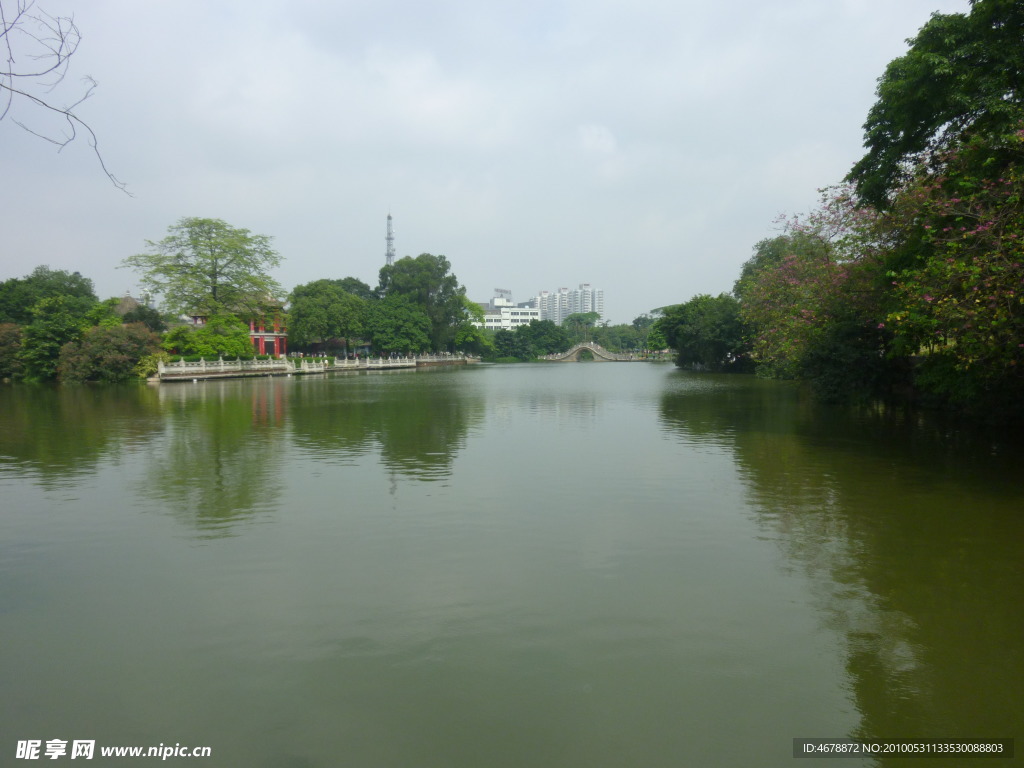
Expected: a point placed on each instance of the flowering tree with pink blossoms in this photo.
(824, 274)
(960, 298)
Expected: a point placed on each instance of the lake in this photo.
(528, 565)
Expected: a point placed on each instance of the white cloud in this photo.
(642, 147)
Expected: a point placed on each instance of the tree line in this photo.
(906, 280)
(214, 279)
(543, 337)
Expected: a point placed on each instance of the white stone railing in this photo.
(364, 363)
(203, 367)
(446, 357)
(403, 361)
(220, 365)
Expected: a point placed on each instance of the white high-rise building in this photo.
(558, 305)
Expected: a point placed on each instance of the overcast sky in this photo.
(642, 146)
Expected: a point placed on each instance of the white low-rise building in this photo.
(508, 318)
(502, 314)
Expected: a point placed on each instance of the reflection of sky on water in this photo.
(596, 543)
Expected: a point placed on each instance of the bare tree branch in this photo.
(38, 50)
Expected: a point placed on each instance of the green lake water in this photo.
(565, 565)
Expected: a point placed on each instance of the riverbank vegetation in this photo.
(217, 293)
(906, 281)
(216, 290)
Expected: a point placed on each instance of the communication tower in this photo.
(389, 255)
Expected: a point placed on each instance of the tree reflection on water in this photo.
(909, 530)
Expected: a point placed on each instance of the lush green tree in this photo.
(107, 353)
(105, 313)
(474, 340)
(149, 364)
(396, 324)
(510, 344)
(206, 267)
(607, 336)
(707, 331)
(644, 322)
(54, 324)
(648, 333)
(963, 76)
(847, 359)
(10, 351)
(221, 336)
(626, 338)
(427, 282)
(656, 340)
(19, 295)
(578, 325)
(323, 310)
(768, 254)
(543, 337)
(148, 316)
(620, 337)
(527, 342)
(470, 336)
(944, 149)
(815, 297)
(356, 287)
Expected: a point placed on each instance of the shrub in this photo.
(148, 365)
(10, 346)
(222, 336)
(106, 353)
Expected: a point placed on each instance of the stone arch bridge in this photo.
(600, 354)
